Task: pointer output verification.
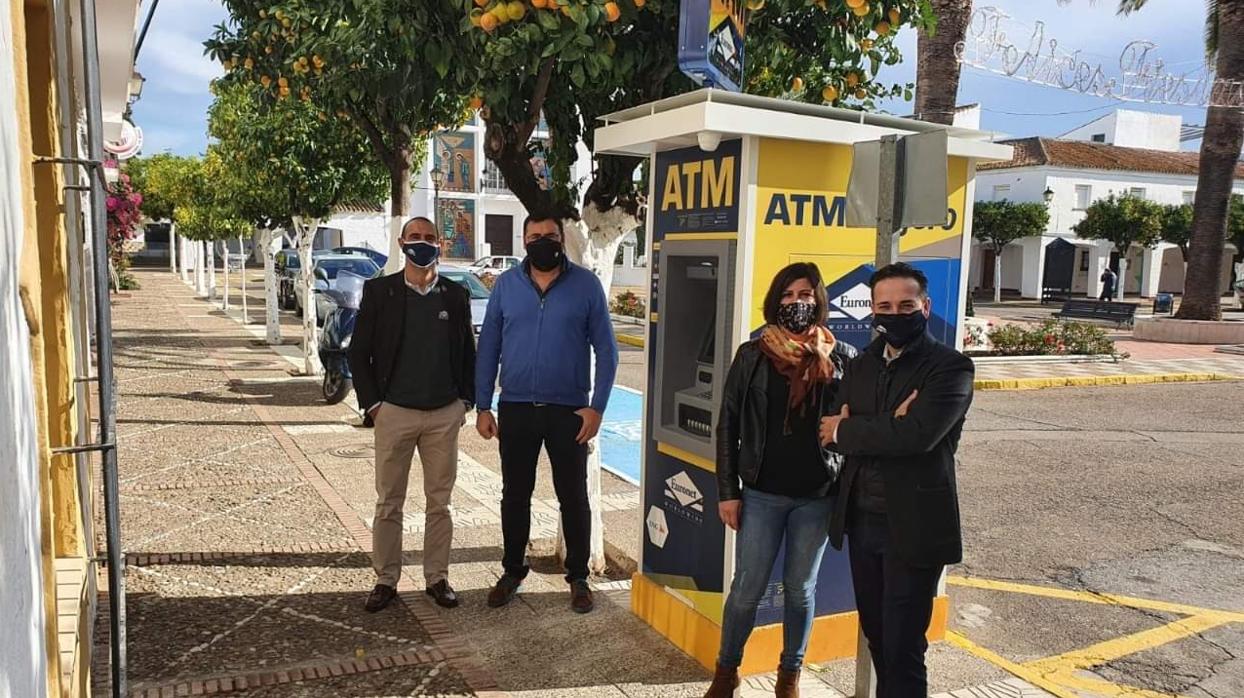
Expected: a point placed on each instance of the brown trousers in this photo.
(399, 431)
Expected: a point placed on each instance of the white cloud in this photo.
(178, 63)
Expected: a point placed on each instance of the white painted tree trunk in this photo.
(246, 317)
(592, 242)
(210, 247)
(269, 242)
(1122, 282)
(200, 279)
(305, 232)
(395, 262)
(172, 247)
(997, 276)
(186, 259)
(225, 296)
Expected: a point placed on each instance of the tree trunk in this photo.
(225, 296)
(272, 315)
(200, 283)
(1220, 153)
(246, 318)
(305, 233)
(210, 248)
(186, 258)
(997, 275)
(172, 247)
(592, 242)
(399, 210)
(937, 68)
(1121, 285)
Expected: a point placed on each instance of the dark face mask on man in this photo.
(899, 330)
(545, 253)
(421, 253)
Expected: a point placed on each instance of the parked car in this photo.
(494, 265)
(326, 269)
(379, 258)
(288, 267)
(464, 277)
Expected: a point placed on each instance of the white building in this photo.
(478, 213)
(1126, 152)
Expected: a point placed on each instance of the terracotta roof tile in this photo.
(1087, 155)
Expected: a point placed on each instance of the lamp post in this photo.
(438, 177)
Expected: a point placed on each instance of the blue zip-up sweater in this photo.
(542, 342)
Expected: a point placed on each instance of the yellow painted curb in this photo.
(1088, 381)
(632, 340)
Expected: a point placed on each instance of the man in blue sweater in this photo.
(544, 320)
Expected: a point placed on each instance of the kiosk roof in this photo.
(676, 121)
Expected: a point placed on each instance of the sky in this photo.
(175, 98)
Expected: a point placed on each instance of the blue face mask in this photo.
(421, 253)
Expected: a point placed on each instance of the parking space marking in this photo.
(1095, 597)
(1101, 687)
(1031, 676)
(1110, 650)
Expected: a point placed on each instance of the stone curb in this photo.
(631, 340)
(152, 559)
(238, 482)
(1090, 381)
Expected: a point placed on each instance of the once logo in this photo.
(658, 527)
(681, 489)
(855, 303)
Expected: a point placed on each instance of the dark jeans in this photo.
(523, 429)
(895, 602)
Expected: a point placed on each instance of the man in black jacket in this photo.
(897, 419)
(413, 360)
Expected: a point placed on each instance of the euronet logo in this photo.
(855, 303)
(682, 490)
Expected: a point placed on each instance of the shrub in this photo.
(629, 304)
(489, 280)
(1052, 337)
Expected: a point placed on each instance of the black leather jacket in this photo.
(741, 421)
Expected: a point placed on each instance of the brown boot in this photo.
(787, 684)
(725, 681)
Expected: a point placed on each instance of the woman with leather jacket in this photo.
(774, 480)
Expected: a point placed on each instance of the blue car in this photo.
(378, 257)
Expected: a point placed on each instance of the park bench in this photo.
(1119, 313)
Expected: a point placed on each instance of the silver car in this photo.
(479, 292)
(326, 270)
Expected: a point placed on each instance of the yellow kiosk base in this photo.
(833, 637)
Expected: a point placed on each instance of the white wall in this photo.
(362, 229)
(1133, 129)
(23, 664)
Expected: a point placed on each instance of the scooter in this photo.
(336, 333)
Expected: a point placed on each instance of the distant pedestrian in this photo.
(774, 481)
(545, 318)
(898, 418)
(413, 360)
(1108, 281)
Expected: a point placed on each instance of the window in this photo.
(1001, 191)
(1098, 138)
(1084, 196)
(1137, 192)
(494, 183)
(1190, 197)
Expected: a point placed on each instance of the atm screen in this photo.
(709, 343)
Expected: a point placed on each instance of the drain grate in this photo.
(360, 451)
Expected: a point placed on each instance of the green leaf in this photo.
(577, 76)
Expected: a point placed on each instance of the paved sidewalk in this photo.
(246, 504)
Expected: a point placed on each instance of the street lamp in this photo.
(438, 178)
(1048, 194)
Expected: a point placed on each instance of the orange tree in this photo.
(304, 160)
(571, 61)
(397, 69)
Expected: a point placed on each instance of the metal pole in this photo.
(103, 350)
(146, 25)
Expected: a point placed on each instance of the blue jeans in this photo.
(765, 520)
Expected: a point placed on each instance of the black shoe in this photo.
(504, 590)
(380, 597)
(581, 596)
(443, 594)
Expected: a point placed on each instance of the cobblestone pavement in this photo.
(246, 503)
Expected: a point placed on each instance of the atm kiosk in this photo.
(741, 186)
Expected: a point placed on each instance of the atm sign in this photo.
(697, 192)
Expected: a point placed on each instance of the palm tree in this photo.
(1220, 153)
(937, 68)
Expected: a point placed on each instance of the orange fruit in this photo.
(481, 3)
(882, 28)
(265, 80)
(282, 82)
(830, 93)
(867, 44)
(861, 93)
(753, 5)
(894, 15)
(489, 22)
(475, 16)
(516, 10)
(476, 102)
(248, 63)
(796, 85)
(641, 3)
(538, 4)
(612, 12)
(862, 10)
(853, 79)
(855, 3)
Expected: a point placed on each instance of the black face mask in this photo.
(421, 253)
(796, 317)
(900, 330)
(545, 253)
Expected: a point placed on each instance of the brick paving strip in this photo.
(440, 654)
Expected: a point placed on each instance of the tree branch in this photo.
(537, 100)
(374, 136)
